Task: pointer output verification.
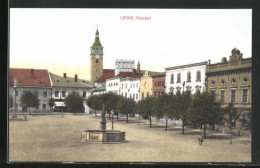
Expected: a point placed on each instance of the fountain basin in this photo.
(102, 136)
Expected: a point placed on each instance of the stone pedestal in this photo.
(98, 136)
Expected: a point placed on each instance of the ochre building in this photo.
(232, 82)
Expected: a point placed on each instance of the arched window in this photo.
(172, 78)
(96, 60)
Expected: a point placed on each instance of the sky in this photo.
(60, 39)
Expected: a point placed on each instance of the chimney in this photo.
(76, 78)
(64, 75)
(32, 73)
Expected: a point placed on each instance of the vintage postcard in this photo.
(130, 85)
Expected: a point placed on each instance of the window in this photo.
(44, 94)
(244, 95)
(178, 78)
(36, 93)
(159, 93)
(142, 95)
(56, 93)
(131, 85)
(198, 88)
(16, 93)
(178, 89)
(171, 89)
(188, 77)
(154, 93)
(172, 78)
(84, 94)
(212, 92)
(63, 93)
(147, 94)
(233, 96)
(198, 76)
(136, 96)
(125, 94)
(222, 95)
(44, 106)
(137, 85)
(154, 83)
(96, 60)
(122, 86)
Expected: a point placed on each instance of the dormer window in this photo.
(233, 80)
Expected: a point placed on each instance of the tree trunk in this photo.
(127, 118)
(205, 131)
(182, 127)
(117, 117)
(29, 111)
(150, 122)
(166, 123)
(213, 127)
(230, 133)
(200, 126)
(95, 113)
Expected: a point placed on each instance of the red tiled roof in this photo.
(107, 73)
(29, 77)
(130, 75)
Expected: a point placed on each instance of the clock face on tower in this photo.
(97, 56)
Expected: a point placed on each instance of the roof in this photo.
(97, 42)
(186, 66)
(68, 81)
(129, 75)
(29, 77)
(154, 74)
(107, 73)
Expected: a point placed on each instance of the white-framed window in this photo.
(188, 77)
(45, 94)
(172, 78)
(198, 79)
(179, 78)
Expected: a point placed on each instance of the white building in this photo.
(192, 76)
(126, 84)
(124, 66)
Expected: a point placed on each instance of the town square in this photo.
(154, 95)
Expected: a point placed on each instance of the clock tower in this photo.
(96, 60)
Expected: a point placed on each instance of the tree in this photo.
(231, 115)
(205, 109)
(182, 102)
(126, 106)
(94, 103)
(28, 99)
(146, 108)
(51, 103)
(74, 102)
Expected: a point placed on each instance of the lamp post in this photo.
(112, 111)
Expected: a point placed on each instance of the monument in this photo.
(102, 135)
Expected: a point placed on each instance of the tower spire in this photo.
(138, 67)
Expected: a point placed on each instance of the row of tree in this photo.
(200, 109)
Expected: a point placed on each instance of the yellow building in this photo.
(146, 84)
(96, 60)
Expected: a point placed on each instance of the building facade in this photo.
(36, 81)
(191, 77)
(148, 85)
(96, 60)
(158, 88)
(62, 86)
(232, 83)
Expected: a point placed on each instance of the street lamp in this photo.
(112, 111)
